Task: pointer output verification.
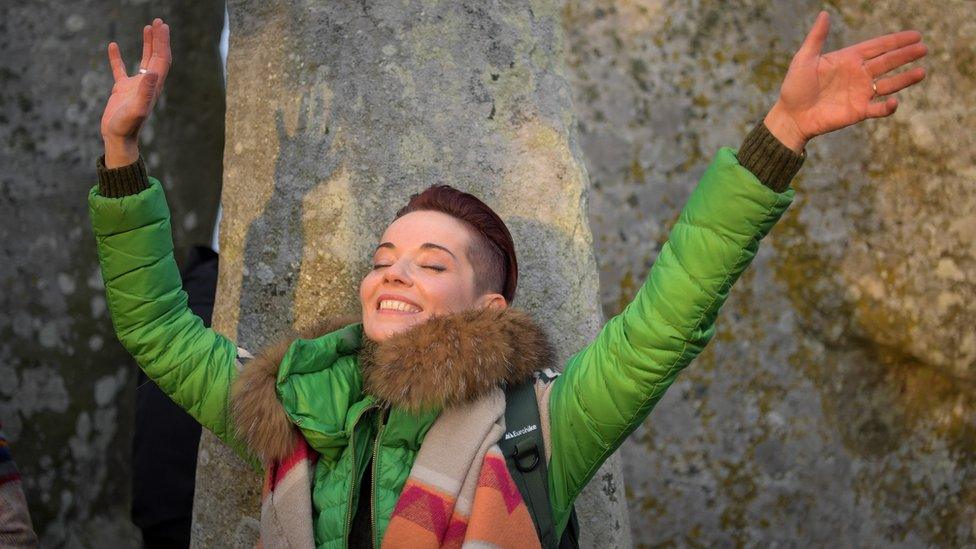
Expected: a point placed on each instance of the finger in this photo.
(160, 38)
(115, 60)
(881, 44)
(147, 46)
(898, 82)
(881, 109)
(894, 59)
(162, 57)
(813, 43)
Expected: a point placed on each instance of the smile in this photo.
(395, 306)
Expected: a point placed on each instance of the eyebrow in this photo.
(425, 245)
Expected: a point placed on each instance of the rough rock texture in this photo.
(337, 112)
(836, 403)
(66, 385)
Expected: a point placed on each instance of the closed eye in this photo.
(378, 266)
(437, 268)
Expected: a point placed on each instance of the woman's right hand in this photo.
(133, 97)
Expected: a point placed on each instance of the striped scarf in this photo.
(459, 492)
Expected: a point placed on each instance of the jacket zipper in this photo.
(372, 489)
(352, 484)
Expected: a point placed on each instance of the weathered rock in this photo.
(336, 114)
(66, 385)
(837, 401)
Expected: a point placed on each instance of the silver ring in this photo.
(143, 71)
(874, 88)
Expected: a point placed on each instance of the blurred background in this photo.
(836, 402)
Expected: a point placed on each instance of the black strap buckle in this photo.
(526, 455)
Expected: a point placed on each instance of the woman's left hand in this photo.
(823, 93)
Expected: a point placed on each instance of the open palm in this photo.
(133, 97)
(825, 92)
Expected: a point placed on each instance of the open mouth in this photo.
(390, 305)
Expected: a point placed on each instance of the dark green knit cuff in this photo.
(768, 159)
(122, 181)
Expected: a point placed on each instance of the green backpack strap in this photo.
(524, 452)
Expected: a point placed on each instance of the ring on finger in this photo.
(143, 71)
(874, 88)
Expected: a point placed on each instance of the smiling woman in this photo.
(437, 257)
(385, 429)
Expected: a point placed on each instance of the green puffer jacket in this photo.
(606, 389)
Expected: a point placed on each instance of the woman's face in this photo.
(420, 269)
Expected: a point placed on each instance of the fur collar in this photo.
(447, 361)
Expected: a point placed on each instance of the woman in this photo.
(398, 413)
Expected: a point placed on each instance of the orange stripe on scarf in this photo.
(424, 516)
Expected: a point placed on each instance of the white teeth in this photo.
(395, 305)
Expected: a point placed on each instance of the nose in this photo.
(397, 272)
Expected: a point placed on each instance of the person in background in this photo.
(16, 529)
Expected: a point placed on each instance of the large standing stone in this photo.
(836, 404)
(337, 112)
(66, 385)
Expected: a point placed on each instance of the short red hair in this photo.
(492, 252)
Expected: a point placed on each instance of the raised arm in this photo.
(611, 385)
(192, 364)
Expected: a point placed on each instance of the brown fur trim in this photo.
(259, 418)
(454, 359)
(446, 361)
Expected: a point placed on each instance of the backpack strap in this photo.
(524, 451)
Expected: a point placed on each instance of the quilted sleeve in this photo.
(194, 365)
(611, 385)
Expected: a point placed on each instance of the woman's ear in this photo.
(493, 301)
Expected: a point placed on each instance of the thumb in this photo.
(813, 43)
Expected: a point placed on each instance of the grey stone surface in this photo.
(836, 404)
(336, 114)
(66, 385)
